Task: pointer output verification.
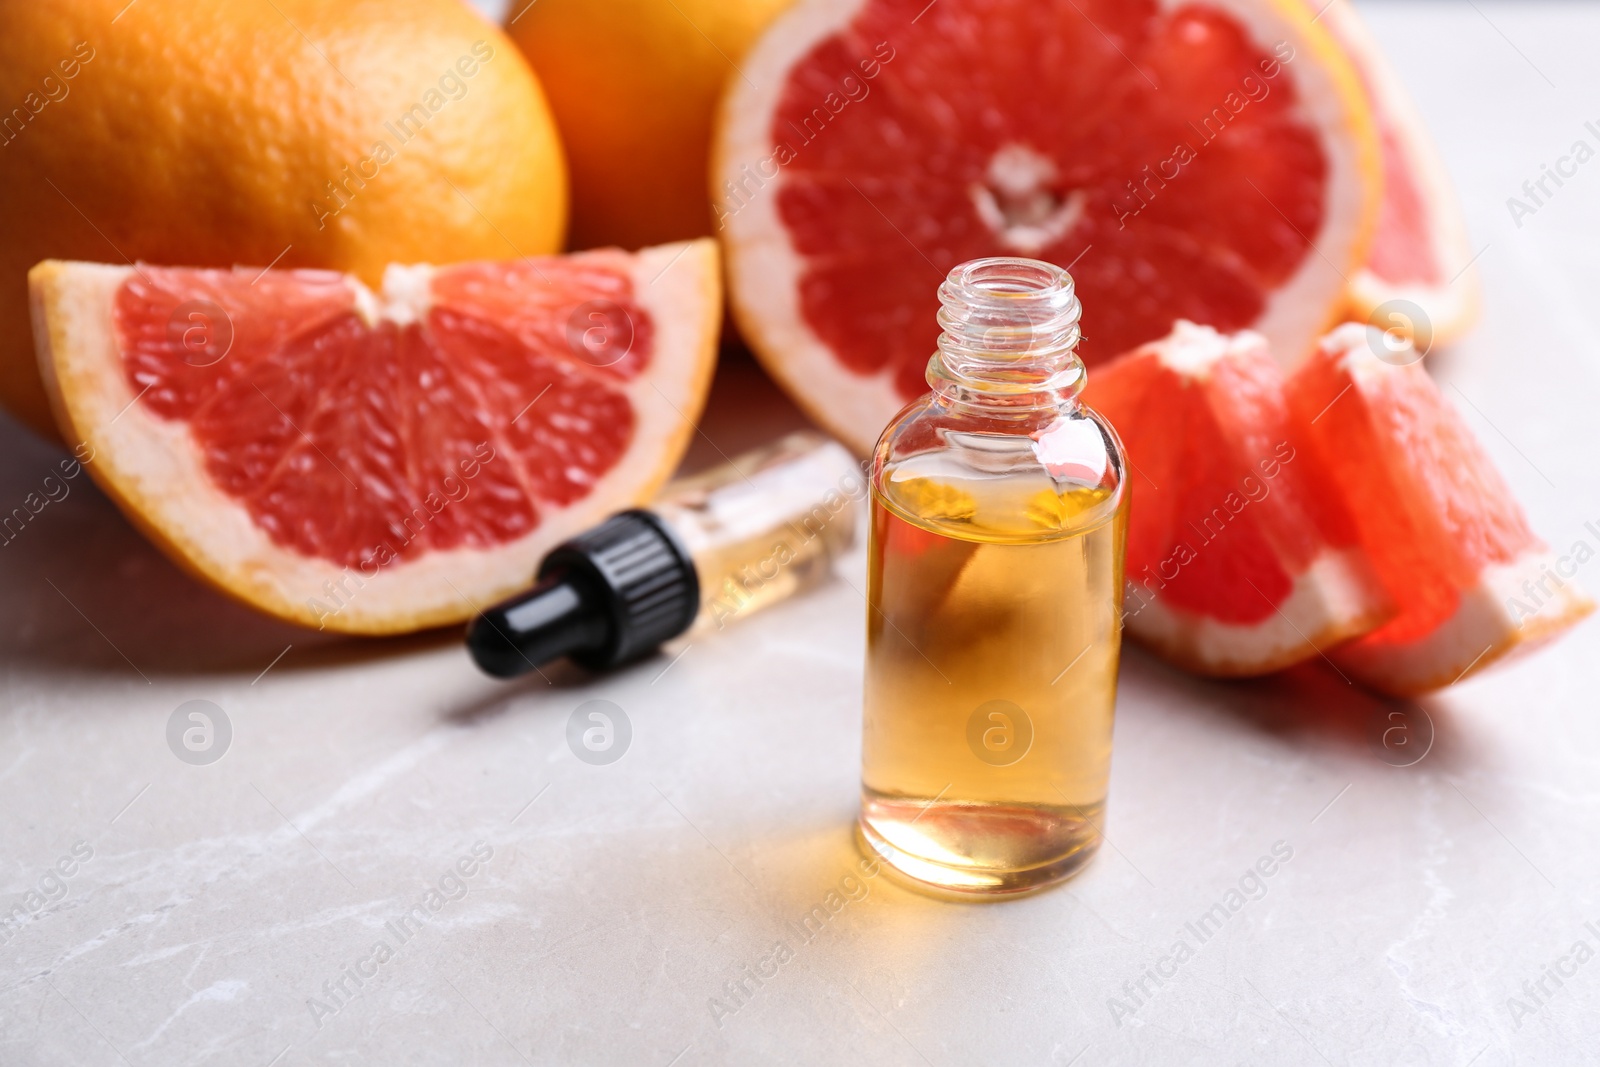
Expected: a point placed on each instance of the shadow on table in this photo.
(1315, 706)
(503, 696)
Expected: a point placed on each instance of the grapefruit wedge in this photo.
(378, 463)
(1418, 277)
(1241, 559)
(1440, 525)
(1205, 161)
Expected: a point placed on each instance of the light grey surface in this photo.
(220, 898)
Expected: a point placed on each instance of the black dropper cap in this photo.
(609, 595)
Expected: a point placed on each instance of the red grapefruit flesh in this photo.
(1210, 161)
(1241, 559)
(1418, 278)
(1436, 519)
(379, 463)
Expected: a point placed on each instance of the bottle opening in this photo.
(1010, 323)
(1009, 277)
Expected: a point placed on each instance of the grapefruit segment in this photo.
(1472, 581)
(379, 463)
(1421, 253)
(1241, 559)
(1210, 161)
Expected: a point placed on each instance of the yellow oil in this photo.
(993, 635)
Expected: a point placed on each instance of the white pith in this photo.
(1030, 218)
(1334, 599)
(765, 270)
(153, 469)
(1356, 346)
(407, 294)
(1192, 350)
(1486, 627)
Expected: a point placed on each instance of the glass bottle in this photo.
(767, 525)
(712, 548)
(998, 521)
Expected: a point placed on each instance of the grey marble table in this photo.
(538, 909)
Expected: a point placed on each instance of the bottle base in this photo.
(975, 852)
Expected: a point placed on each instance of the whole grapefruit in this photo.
(283, 132)
(634, 86)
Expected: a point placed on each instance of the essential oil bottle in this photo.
(998, 521)
(712, 549)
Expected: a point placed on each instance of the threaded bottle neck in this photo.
(1010, 332)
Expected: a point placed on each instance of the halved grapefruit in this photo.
(1241, 558)
(1208, 161)
(1418, 278)
(379, 463)
(1436, 519)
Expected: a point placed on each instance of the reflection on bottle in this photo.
(766, 526)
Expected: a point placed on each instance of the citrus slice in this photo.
(1440, 525)
(1214, 162)
(379, 463)
(1241, 559)
(1418, 277)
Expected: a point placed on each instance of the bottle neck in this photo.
(1010, 336)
